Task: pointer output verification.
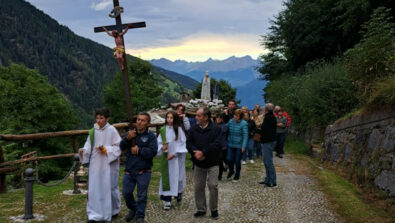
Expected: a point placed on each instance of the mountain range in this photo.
(240, 72)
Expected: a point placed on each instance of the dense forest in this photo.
(78, 67)
(330, 58)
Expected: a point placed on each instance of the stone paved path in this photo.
(297, 198)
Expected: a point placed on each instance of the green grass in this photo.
(348, 115)
(349, 200)
(345, 198)
(295, 145)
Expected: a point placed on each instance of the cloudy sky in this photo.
(192, 30)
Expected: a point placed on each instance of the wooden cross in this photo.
(116, 13)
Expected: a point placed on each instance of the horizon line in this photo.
(204, 60)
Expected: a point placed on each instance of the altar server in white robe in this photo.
(104, 201)
(174, 146)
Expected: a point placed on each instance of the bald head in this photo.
(269, 107)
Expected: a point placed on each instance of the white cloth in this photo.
(103, 191)
(187, 124)
(177, 164)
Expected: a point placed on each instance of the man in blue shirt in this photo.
(138, 166)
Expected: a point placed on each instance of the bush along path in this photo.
(297, 198)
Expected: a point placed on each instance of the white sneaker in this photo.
(243, 162)
(167, 205)
(251, 161)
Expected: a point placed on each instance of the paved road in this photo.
(297, 198)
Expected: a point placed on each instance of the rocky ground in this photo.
(297, 198)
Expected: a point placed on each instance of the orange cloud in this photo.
(203, 46)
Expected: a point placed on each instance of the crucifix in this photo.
(118, 31)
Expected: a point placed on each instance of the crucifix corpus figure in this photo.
(119, 49)
(117, 31)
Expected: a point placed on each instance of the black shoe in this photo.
(130, 215)
(199, 214)
(140, 220)
(214, 215)
(280, 156)
(270, 185)
(179, 198)
(236, 179)
(114, 216)
(229, 176)
(262, 182)
(91, 221)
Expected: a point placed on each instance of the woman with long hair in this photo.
(172, 148)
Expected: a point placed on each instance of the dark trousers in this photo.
(234, 157)
(128, 184)
(168, 198)
(280, 139)
(258, 149)
(224, 160)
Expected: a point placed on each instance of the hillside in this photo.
(183, 80)
(78, 67)
(251, 93)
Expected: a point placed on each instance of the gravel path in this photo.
(296, 199)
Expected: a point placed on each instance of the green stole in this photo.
(164, 165)
(92, 141)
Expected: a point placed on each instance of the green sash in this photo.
(164, 165)
(92, 140)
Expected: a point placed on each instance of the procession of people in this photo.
(216, 144)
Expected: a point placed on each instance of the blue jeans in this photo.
(249, 150)
(128, 184)
(234, 157)
(267, 151)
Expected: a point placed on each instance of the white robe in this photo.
(177, 164)
(103, 191)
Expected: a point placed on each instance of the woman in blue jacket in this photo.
(237, 142)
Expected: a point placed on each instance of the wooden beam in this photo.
(134, 25)
(14, 162)
(47, 135)
(5, 170)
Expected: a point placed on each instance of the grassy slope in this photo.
(352, 203)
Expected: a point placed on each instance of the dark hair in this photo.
(146, 114)
(176, 122)
(183, 107)
(220, 115)
(239, 113)
(232, 101)
(207, 112)
(103, 112)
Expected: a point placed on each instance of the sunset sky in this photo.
(176, 29)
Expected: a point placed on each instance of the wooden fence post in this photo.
(74, 141)
(3, 183)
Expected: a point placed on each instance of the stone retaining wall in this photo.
(364, 146)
